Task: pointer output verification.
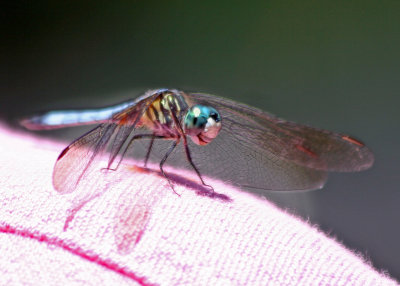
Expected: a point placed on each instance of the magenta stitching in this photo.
(74, 249)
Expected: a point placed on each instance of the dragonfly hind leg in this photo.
(174, 144)
(149, 150)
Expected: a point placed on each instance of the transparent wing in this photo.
(82, 155)
(237, 163)
(76, 160)
(257, 150)
(304, 145)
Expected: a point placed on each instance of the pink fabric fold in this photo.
(128, 226)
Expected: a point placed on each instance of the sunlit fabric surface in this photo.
(186, 240)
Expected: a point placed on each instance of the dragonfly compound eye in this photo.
(202, 123)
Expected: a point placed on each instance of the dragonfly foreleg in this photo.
(189, 158)
(187, 151)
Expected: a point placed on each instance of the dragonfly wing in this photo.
(304, 145)
(267, 153)
(120, 139)
(240, 163)
(75, 160)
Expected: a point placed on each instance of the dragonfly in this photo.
(220, 138)
(231, 141)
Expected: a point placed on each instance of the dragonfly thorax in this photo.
(165, 112)
(202, 123)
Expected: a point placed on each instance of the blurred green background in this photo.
(329, 64)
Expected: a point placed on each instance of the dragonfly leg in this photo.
(187, 151)
(189, 158)
(174, 144)
(135, 137)
(149, 150)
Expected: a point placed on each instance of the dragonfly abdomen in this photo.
(65, 118)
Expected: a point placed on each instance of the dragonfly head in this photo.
(202, 123)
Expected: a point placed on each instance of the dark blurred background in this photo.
(329, 64)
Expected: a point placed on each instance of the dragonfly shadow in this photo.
(200, 189)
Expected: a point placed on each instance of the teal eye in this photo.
(202, 123)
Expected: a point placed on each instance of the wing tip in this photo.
(368, 160)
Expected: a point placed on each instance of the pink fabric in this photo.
(173, 240)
